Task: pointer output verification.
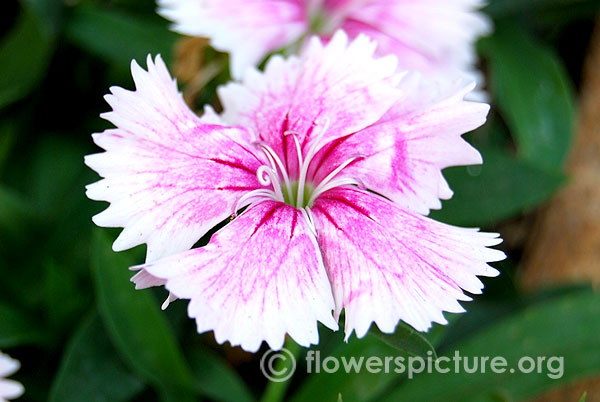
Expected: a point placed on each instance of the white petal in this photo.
(260, 277)
(387, 264)
(247, 29)
(169, 176)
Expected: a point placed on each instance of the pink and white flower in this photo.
(335, 158)
(9, 389)
(434, 37)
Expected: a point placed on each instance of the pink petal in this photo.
(339, 83)
(431, 36)
(340, 7)
(387, 264)
(260, 277)
(248, 29)
(168, 176)
(406, 150)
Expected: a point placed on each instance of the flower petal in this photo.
(405, 151)
(431, 36)
(260, 277)
(10, 389)
(169, 176)
(387, 264)
(8, 365)
(339, 83)
(248, 29)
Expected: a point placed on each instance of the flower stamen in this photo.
(343, 181)
(298, 149)
(310, 220)
(298, 193)
(328, 183)
(309, 156)
(276, 163)
(246, 198)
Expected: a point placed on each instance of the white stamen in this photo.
(343, 181)
(270, 179)
(298, 150)
(309, 156)
(310, 220)
(277, 172)
(258, 193)
(276, 162)
(323, 185)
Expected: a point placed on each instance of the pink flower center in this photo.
(299, 190)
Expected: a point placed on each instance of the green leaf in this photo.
(16, 214)
(57, 164)
(583, 397)
(215, 379)
(500, 188)
(563, 328)
(8, 133)
(406, 339)
(90, 369)
(557, 18)
(25, 54)
(65, 299)
(534, 93)
(117, 36)
(276, 389)
(353, 385)
(49, 13)
(498, 8)
(17, 328)
(136, 326)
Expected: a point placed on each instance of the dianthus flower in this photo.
(9, 389)
(322, 167)
(434, 37)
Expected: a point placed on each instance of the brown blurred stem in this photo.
(192, 69)
(565, 243)
(564, 246)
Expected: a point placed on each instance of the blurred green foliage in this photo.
(69, 313)
(537, 331)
